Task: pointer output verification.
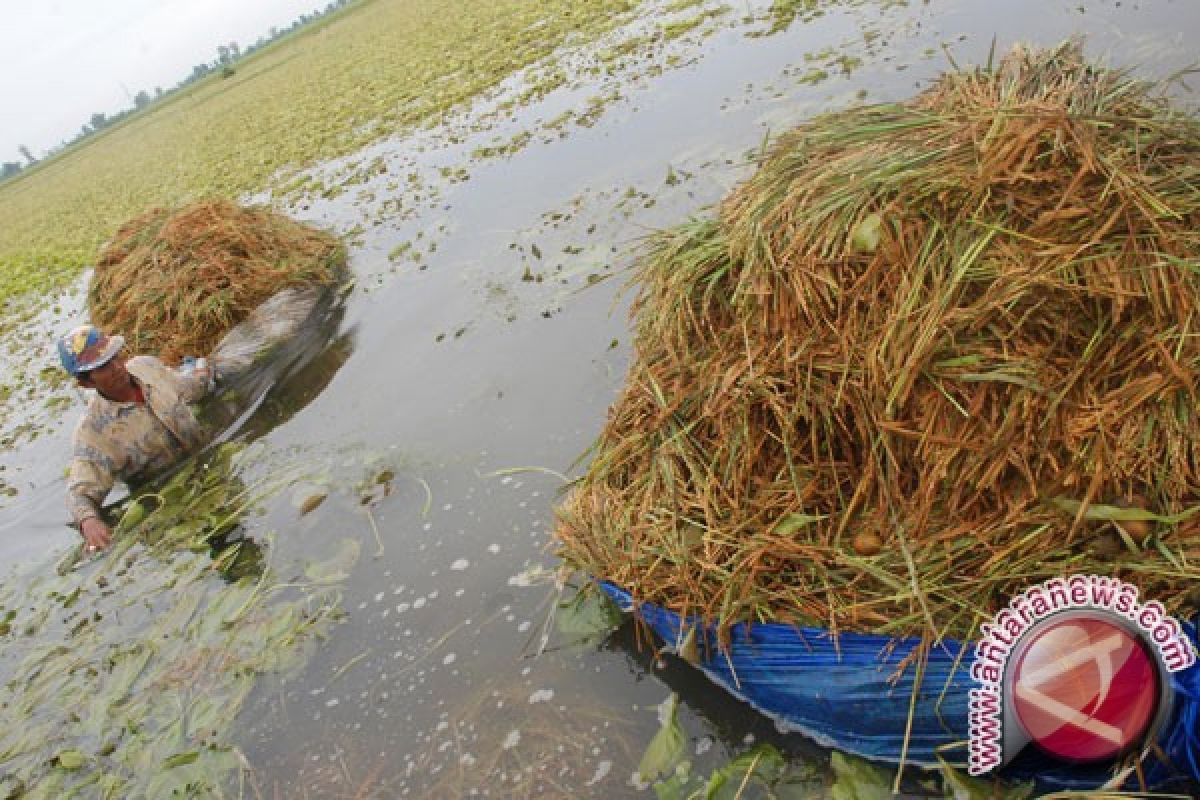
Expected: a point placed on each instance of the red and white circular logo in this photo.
(1085, 688)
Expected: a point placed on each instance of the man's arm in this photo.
(195, 379)
(191, 380)
(88, 483)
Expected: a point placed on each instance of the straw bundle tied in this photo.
(928, 355)
(174, 282)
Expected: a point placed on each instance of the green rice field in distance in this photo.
(372, 70)
(386, 621)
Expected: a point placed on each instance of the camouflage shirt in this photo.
(133, 441)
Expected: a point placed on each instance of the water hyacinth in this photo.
(132, 668)
(930, 354)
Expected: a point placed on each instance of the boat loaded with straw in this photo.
(929, 355)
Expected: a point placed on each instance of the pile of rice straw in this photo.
(928, 355)
(174, 282)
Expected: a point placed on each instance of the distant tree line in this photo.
(227, 56)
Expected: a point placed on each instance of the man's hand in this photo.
(202, 370)
(96, 535)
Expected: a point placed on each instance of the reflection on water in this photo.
(124, 674)
(301, 386)
(282, 357)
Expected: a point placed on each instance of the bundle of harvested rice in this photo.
(928, 355)
(174, 282)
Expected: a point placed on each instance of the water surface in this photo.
(476, 359)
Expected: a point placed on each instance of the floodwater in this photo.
(476, 358)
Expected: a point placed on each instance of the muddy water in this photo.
(481, 371)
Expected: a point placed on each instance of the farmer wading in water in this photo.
(137, 425)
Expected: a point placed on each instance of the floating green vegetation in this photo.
(673, 30)
(832, 58)
(763, 771)
(514, 144)
(625, 48)
(131, 668)
(373, 71)
(760, 772)
(550, 80)
(399, 251)
(587, 615)
(682, 5)
(783, 13)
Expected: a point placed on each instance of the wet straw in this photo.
(970, 317)
(174, 281)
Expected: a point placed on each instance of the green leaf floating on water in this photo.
(866, 235)
(761, 765)
(667, 747)
(675, 787)
(589, 613)
(148, 686)
(858, 779)
(72, 598)
(180, 759)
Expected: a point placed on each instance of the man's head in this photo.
(91, 357)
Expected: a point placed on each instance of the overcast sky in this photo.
(64, 60)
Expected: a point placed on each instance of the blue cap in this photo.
(86, 348)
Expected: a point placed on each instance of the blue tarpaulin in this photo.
(855, 693)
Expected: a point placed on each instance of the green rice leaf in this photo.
(867, 233)
(793, 522)
(1107, 513)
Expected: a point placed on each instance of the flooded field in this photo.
(390, 602)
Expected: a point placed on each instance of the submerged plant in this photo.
(505, 742)
(133, 667)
